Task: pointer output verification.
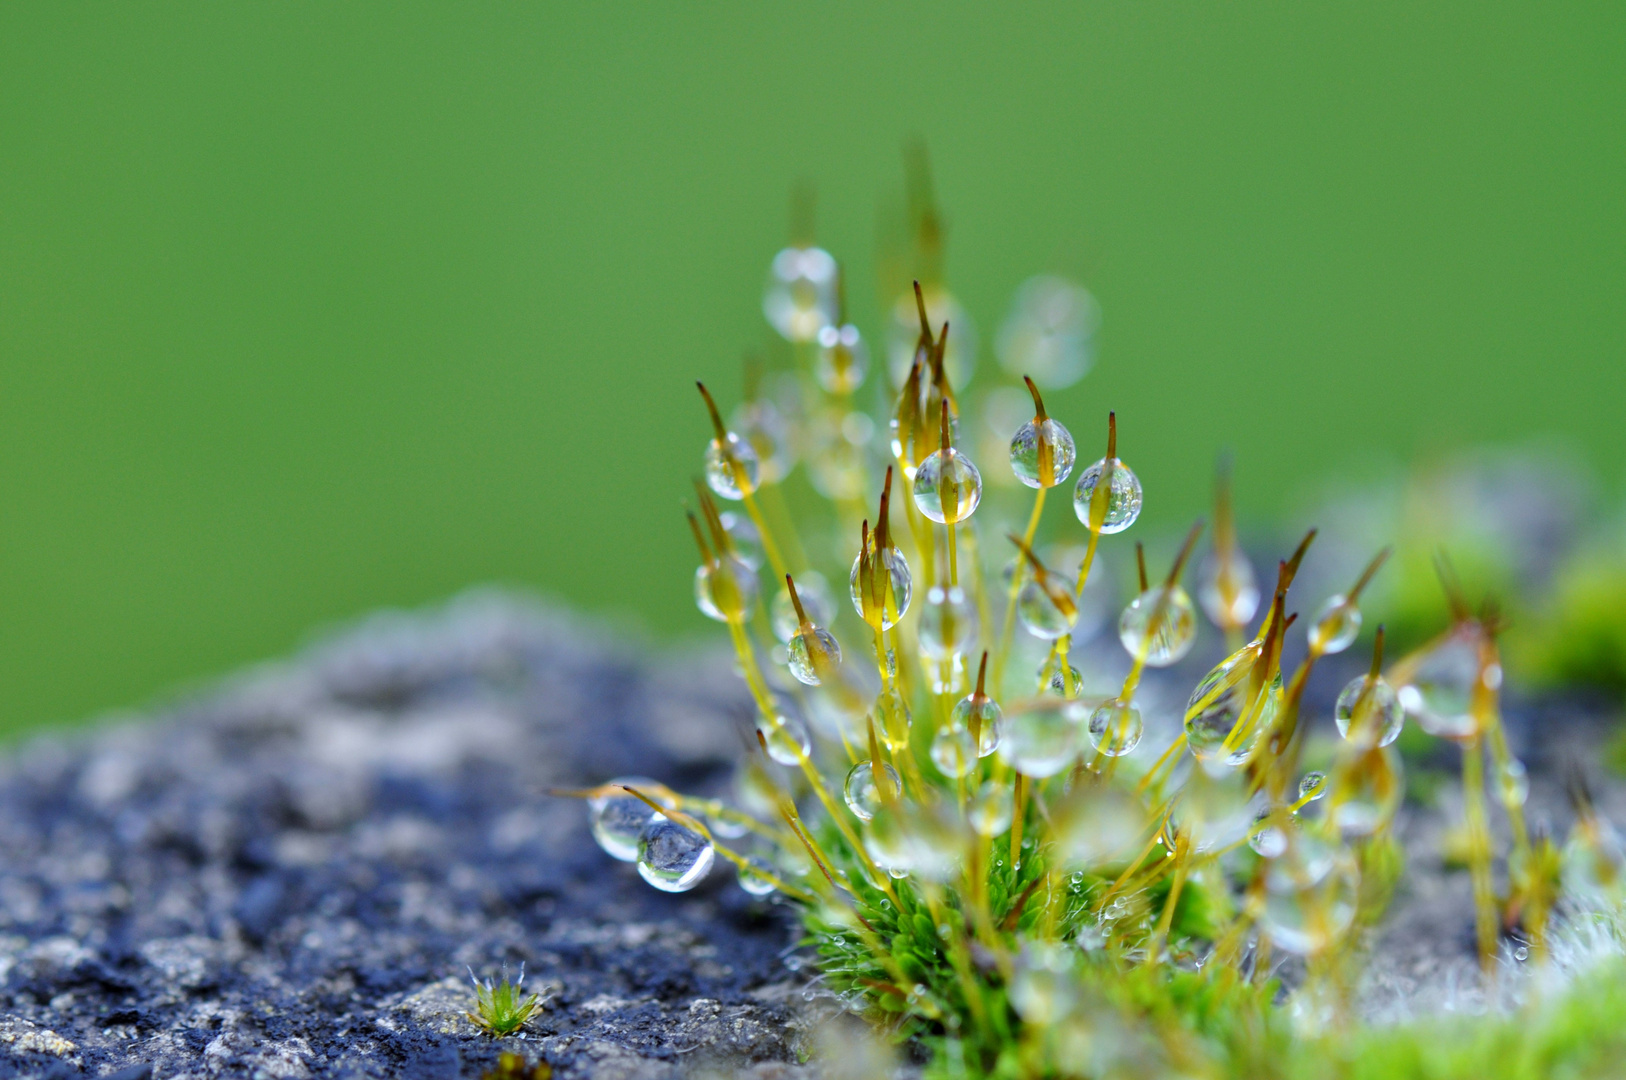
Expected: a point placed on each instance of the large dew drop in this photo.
(725, 590)
(862, 796)
(1047, 613)
(1042, 736)
(993, 808)
(1115, 728)
(617, 817)
(1229, 710)
(1439, 695)
(948, 622)
(947, 487)
(1042, 453)
(1227, 589)
(1375, 719)
(1336, 626)
(842, 359)
(786, 739)
(890, 591)
(814, 593)
(981, 715)
(673, 857)
(733, 469)
(814, 655)
(954, 751)
(1159, 625)
(1366, 793)
(762, 427)
(800, 297)
(1123, 503)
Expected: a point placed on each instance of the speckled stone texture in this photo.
(287, 875)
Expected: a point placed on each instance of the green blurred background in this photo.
(308, 308)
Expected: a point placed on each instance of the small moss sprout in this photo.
(501, 1007)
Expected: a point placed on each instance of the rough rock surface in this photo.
(288, 876)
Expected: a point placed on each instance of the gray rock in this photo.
(287, 876)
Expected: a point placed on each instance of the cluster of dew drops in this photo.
(1049, 335)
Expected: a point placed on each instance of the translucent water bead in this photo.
(761, 426)
(1050, 332)
(1313, 786)
(1041, 737)
(1336, 625)
(1227, 589)
(1115, 728)
(1381, 716)
(673, 857)
(1269, 838)
(993, 809)
(842, 360)
(981, 714)
(897, 579)
(756, 877)
(1439, 695)
(954, 751)
(948, 622)
(743, 535)
(813, 654)
(892, 718)
(1165, 627)
(732, 467)
(863, 798)
(1367, 793)
(1123, 501)
(726, 589)
(1042, 453)
(617, 818)
(1226, 699)
(1515, 782)
(800, 297)
(948, 486)
(1046, 609)
(786, 738)
(1215, 808)
(814, 593)
(1063, 683)
(1310, 894)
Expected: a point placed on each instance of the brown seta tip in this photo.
(1377, 654)
(796, 602)
(1366, 575)
(982, 675)
(699, 538)
(1185, 553)
(883, 520)
(1454, 595)
(1039, 416)
(1112, 436)
(1140, 564)
(716, 417)
(943, 423)
(925, 322)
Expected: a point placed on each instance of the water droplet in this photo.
(889, 591)
(1313, 786)
(1310, 892)
(814, 592)
(742, 533)
(842, 359)
(1050, 332)
(1115, 728)
(954, 752)
(1230, 709)
(732, 468)
(1046, 609)
(991, 810)
(725, 590)
(755, 877)
(617, 818)
(948, 623)
(1043, 988)
(673, 857)
(982, 715)
(893, 720)
(1515, 782)
(1336, 625)
(947, 486)
(786, 739)
(1381, 716)
(1440, 694)
(1366, 792)
(1215, 808)
(761, 426)
(1059, 683)
(813, 655)
(1041, 737)
(1227, 589)
(1123, 503)
(1268, 839)
(1521, 954)
(1042, 454)
(722, 823)
(800, 297)
(860, 793)
(1164, 628)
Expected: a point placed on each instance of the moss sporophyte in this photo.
(996, 859)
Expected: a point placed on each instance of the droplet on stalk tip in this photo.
(1119, 504)
(1227, 589)
(673, 857)
(1233, 706)
(1159, 624)
(732, 467)
(1440, 692)
(813, 652)
(1313, 786)
(1042, 736)
(1045, 604)
(785, 738)
(756, 877)
(979, 714)
(1375, 718)
(1042, 450)
(862, 795)
(800, 297)
(948, 623)
(947, 486)
(814, 593)
(1115, 728)
(617, 817)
